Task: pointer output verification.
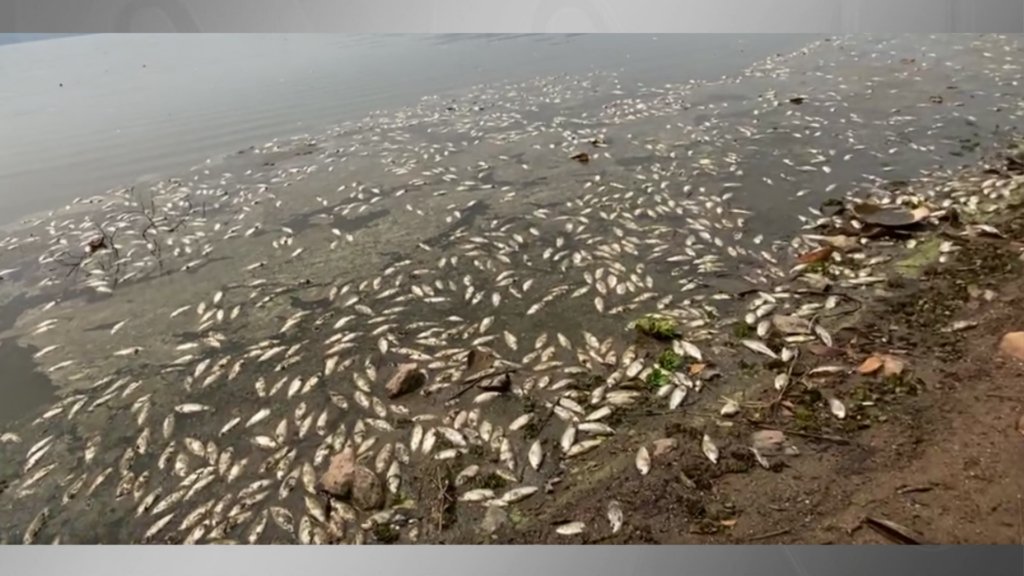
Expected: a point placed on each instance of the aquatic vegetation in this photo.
(656, 327)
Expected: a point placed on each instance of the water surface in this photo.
(88, 113)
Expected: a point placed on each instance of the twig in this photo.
(835, 439)
(1018, 397)
(893, 531)
(769, 535)
(472, 380)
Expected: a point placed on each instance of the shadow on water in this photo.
(23, 389)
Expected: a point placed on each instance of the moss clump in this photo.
(743, 330)
(385, 534)
(669, 361)
(657, 378)
(493, 481)
(656, 327)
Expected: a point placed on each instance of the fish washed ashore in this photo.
(755, 310)
(906, 427)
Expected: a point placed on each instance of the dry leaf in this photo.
(819, 255)
(697, 369)
(871, 365)
(1012, 345)
(892, 366)
(920, 213)
(729, 523)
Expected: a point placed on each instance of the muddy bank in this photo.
(927, 448)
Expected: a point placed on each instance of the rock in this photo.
(337, 480)
(663, 446)
(1012, 345)
(478, 361)
(791, 324)
(407, 378)
(494, 519)
(367, 489)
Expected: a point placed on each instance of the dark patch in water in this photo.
(302, 222)
(468, 217)
(23, 389)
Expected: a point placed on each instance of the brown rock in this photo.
(1012, 345)
(663, 446)
(337, 480)
(367, 490)
(791, 324)
(478, 361)
(406, 379)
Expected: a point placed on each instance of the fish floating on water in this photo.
(273, 347)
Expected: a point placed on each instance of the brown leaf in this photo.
(892, 366)
(815, 256)
(1012, 345)
(697, 369)
(871, 365)
(582, 157)
(729, 523)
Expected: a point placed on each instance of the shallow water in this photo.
(85, 114)
(467, 176)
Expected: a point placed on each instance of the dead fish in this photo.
(709, 448)
(760, 348)
(615, 516)
(571, 528)
(837, 407)
(643, 461)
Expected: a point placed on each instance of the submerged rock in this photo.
(406, 379)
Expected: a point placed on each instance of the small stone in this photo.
(367, 489)
(1012, 345)
(791, 324)
(337, 480)
(663, 446)
(494, 519)
(406, 379)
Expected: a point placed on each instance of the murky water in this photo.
(209, 373)
(89, 113)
